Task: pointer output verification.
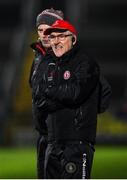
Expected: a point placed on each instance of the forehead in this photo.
(43, 26)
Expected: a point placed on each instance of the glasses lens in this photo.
(61, 37)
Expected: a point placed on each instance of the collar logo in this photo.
(67, 75)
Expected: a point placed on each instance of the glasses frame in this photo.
(61, 37)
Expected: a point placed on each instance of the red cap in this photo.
(61, 25)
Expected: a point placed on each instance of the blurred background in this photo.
(102, 31)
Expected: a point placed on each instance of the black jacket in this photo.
(46, 102)
(72, 83)
(38, 117)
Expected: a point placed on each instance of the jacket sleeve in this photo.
(45, 104)
(39, 120)
(34, 67)
(31, 73)
(104, 94)
(39, 52)
(78, 87)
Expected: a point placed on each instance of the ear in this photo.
(74, 39)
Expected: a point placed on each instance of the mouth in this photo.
(45, 41)
(58, 47)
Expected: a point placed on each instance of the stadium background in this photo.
(102, 31)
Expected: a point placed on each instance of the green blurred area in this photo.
(18, 163)
(109, 162)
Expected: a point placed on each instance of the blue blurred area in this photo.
(102, 30)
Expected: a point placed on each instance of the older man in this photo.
(71, 81)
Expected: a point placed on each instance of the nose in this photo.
(56, 40)
(45, 37)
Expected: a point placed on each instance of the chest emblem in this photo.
(67, 75)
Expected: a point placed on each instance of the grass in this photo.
(110, 163)
(20, 163)
(17, 163)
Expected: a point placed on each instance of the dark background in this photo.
(102, 30)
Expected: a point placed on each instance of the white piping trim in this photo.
(52, 14)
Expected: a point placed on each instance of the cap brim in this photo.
(50, 30)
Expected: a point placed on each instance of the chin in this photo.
(58, 54)
(46, 45)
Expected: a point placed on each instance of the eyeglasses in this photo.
(61, 37)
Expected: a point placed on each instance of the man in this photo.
(43, 21)
(71, 82)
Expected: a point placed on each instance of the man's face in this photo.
(61, 42)
(42, 37)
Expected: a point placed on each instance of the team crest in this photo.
(67, 75)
